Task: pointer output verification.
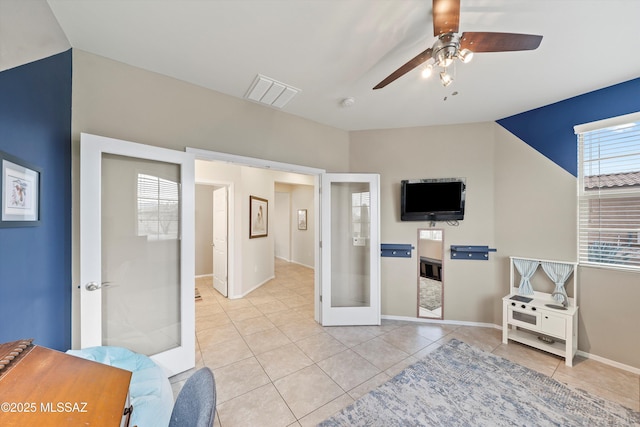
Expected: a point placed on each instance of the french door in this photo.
(350, 249)
(137, 250)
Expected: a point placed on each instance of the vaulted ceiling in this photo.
(334, 49)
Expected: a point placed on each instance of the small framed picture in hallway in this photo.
(258, 217)
(302, 219)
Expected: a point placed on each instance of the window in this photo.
(360, 205)
(609, 193)
(158, 208)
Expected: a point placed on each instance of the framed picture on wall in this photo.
(302, 219)
(258, 217)
(20, 192)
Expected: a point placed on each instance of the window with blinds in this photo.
(609, 193)
(360, 205)
(158, 208)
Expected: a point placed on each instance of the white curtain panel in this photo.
(526, 268)
(558, 273)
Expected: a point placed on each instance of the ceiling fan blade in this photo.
(446, 16)
(416, 61)
(498, 42)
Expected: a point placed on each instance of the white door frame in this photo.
(210, 220)
(279, 166)
(230, 228)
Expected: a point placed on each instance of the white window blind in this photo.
(609, 194)
(158, 208)
(360, 205)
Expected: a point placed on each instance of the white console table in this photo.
(529, 320)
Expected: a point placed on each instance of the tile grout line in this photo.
(285, 286)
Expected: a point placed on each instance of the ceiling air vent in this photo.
(267, 91)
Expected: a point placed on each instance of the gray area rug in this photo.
(430, 293)
(460, 385)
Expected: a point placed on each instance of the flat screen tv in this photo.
(439, 199)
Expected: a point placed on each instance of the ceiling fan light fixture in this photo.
(450, 45)
(445, 56)
(465, 55)
(446, 62)
(445, 79)
(427, 71)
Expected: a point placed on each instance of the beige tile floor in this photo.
(275, 366)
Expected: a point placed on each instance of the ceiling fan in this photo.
(449, 45)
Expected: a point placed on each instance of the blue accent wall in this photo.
(549, 129)
(35, 262)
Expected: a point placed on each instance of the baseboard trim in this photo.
(252, 289)
(301, 264)
(446, 322)
(584, 354)
(609, 362)
(204, 275)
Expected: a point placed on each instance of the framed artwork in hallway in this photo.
(258, 217)
(302, 219)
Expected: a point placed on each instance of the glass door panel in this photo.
(350, 229)
(350, 249)
(140, 254)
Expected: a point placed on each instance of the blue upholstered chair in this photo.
(149, 391)
(196, 403)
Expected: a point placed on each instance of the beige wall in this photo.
(204, 229)
(609, 314)
(116, 100)
(282, 221)
(429, 248)
(536, 212)
(517, 200)
(535, 207)
(470, 287)
(303, 241)
(300, 243)
(119, 101)
(254, 257)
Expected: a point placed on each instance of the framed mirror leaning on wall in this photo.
(430, 283)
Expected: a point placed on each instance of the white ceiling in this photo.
(333, 49)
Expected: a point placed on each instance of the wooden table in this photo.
(44, 387)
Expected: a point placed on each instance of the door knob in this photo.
(93, 286)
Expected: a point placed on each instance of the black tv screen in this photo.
(432, 199)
